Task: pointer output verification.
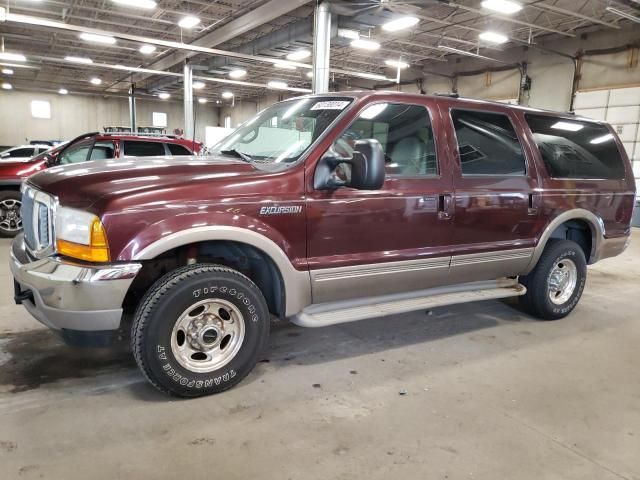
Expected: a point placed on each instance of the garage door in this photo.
(621, 108)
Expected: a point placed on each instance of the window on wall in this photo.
(227, 122)
(40, 109)
(159, 119)
(487, 144)
(405, 133)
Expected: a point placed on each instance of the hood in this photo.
(18, 169)
(83, 184)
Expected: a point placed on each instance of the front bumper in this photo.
(71, 297)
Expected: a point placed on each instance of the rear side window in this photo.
(574, 149)
(178, 149)
(133, 148)
(487, 143)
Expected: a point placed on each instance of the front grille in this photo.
(37, 215)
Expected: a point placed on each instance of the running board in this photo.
(332, 313)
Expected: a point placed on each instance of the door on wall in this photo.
(621, 108)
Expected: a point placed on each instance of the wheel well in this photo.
(578, 231)
(248, 260)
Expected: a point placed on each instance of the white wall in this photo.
(73, 115)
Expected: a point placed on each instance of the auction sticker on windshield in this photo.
(331, 105)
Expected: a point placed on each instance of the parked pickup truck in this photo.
(324, 209)
(90, 146)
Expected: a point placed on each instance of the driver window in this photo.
(75, 154)
(405, 133)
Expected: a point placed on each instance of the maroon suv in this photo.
(90, 146)
(324, 209)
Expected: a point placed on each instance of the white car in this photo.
(23, 152)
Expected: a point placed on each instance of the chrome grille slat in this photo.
(37, 219)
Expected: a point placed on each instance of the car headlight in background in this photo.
(81, 235)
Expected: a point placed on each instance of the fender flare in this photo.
(297, 284)
(596, 225)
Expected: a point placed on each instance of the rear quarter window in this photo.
(176, 149)
(133, 148)
(576, 149)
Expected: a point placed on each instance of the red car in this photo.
(324, 209)
(90, 146)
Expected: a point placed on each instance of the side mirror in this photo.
(49, 161)
(364, 170)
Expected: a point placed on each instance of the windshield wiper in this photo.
(236, 153)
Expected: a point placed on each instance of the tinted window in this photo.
(574, 149)
(405, 133)
(75, 153)
(143, 149)
(22, 152)
(487, 143)
(103, 150)
(178, 149)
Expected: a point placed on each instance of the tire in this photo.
(555, 285)
(10, 216)
(179, 330)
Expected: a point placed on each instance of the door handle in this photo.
(533, 205)
(445, 207)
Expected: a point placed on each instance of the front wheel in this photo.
(199, 330)
(10, 215)
(555, 285)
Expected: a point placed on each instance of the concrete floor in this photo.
(490, 394)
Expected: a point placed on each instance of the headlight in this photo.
(81, 235)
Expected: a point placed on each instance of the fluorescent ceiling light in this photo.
(348, 33)
(148, 4)
(602, 139)
(276, 84)
(502, 6)
(569, 126)
(237, 73)
(283, 66)
(202, 100)
(493, 37)
(372, 76)
(299, 55)
(189, 22)
(96, 81)
(147, 49)
(7, 86)
(373, 111)
(227, 95)
(164, 96)
(7, 71)
(63, 91)
(12, 57)
(198, 85)
(624, 14)
(84, 60)
(365, 44)
(95, 38)
(396, 63)
(400, 23)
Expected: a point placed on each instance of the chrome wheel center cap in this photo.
(205, 332)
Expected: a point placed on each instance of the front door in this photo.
(365, 243)
(495, 207)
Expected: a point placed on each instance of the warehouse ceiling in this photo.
(272, 28)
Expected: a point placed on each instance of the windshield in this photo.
(51, 151)
(282, 132)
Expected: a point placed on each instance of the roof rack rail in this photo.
(449, 94)
(139, 134)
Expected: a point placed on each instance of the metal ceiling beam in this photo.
(569, 13)
(247, 22)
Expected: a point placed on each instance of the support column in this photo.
(132, 108)
(321, 47)
(188, 100)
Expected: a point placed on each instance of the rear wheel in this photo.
(555, 285)
(10, 214)
(199, 330)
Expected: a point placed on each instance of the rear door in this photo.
(495, 207)
(396, 239)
